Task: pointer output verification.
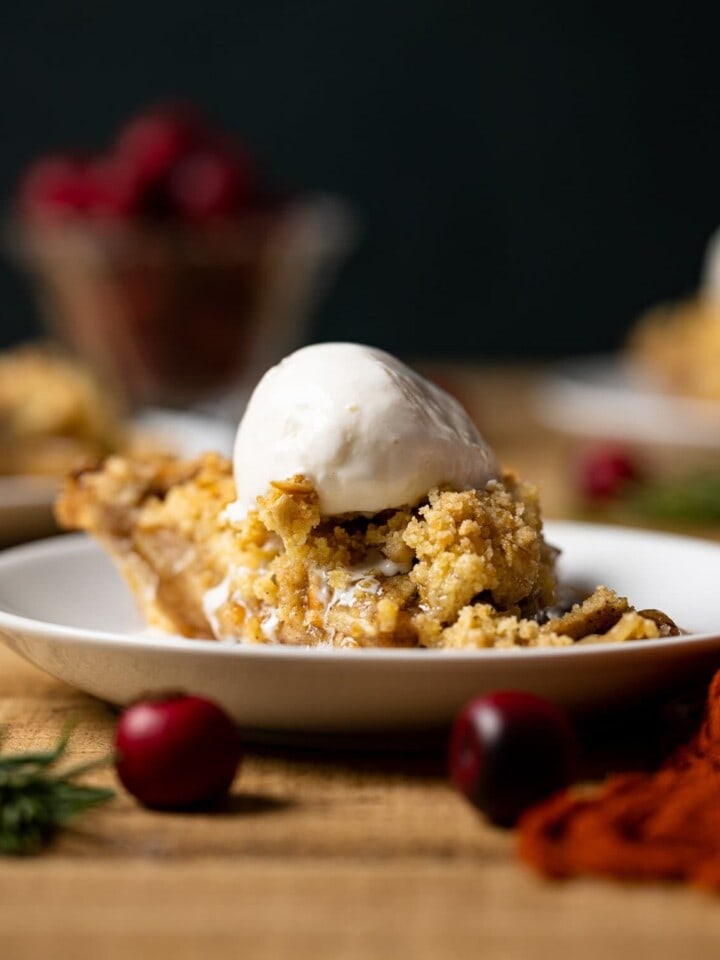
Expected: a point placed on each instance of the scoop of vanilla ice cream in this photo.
(369, 432)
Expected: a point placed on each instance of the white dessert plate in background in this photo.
(64, 608)
(601, 396)
(186, 434)
(26, 502)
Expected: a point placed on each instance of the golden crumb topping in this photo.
(679, 345)
(465, 569)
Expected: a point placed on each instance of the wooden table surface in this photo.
(341, 855)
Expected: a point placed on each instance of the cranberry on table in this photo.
(607, 471)
(176, 751)
(509, 750)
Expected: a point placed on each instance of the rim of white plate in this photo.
(78, 541)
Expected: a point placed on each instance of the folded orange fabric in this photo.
(643, 826)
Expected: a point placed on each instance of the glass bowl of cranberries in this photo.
(169, 263)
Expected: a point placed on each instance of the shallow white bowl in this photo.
(64, 607)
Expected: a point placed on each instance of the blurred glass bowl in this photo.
(181, 316)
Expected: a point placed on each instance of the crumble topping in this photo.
(466, 569)
(679, 345)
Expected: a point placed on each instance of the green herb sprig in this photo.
(36, 800)
(694, 498)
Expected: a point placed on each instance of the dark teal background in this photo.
(529, 175)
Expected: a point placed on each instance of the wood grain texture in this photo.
(318, 854)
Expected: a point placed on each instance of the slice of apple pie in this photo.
(53, 413)
(463, 569)
(363, 510)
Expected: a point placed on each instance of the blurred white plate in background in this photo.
(598, 396)
(187, 434)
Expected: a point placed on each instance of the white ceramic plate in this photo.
(601, 396)
(26, 502)
(64, 608)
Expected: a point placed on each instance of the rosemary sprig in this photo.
(694, 498)
(36, 800)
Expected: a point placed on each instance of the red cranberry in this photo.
(209, 183)
(607, 472)
(176, 752)
(114, 188)
(53, 187)
(155, 139)
(508, 751)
